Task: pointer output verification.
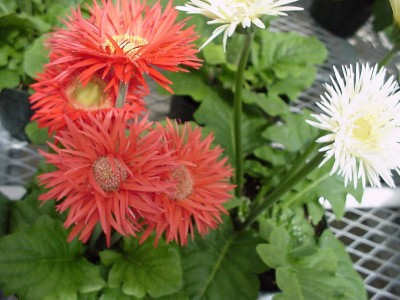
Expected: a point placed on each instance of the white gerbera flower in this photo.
(361, 113)
(231, 13)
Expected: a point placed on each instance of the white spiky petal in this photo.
(361, 114)
(232, 13)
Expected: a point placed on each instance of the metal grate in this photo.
(372, 237)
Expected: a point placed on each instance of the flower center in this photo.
(184, 183)
(129, 44)
(107, 176)
(362, 129)
(88, 97)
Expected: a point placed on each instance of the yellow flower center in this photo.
(184, 183)
(88, 97)
(362, 129)
(109, 177)
(129, 44)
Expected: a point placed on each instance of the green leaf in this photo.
(216, 113)
(36, 135)
(214, 54)
(35, 57)
(291, 86)
(316, 211)
(5, 211)
(118, 294)
(9, 78)
(23, 22)
(304, 283)
(283, 64)
(143, 269)
(88, 296)
(348, 283)
(5, 52)
(287, 53)
(276, 157)
(26, 211)
(115, 294)
(294, 134)
(271, 104)
(324, 271)
(191, 84)
(274, 254)
(222, 266)
(331, 187)
(7, 6)
(38, 263)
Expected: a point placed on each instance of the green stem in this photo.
(238, 108)
(295, 167)
(281, 189)
(389, 56)
(122, 89)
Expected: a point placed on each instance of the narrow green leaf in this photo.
(331, 187)
(38, 263)
(143, 269)
(222, 266)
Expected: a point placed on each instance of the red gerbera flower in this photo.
(69, 96)
(201, 186)
(126, 39)
(106, 175)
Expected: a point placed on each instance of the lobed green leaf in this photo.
(38, 263)
(144, 269)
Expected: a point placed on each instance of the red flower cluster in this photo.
(113, 166)
(116, 46)
(136, 177)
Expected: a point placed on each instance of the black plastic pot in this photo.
(341, 17)
(15, 112)
(182, 108)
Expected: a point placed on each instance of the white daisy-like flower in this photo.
(361, 113)
(396, 10)
(231, 13)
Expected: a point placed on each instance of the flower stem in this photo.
(238, 108)
(281, 189)
(122, 90)
(389, 56)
